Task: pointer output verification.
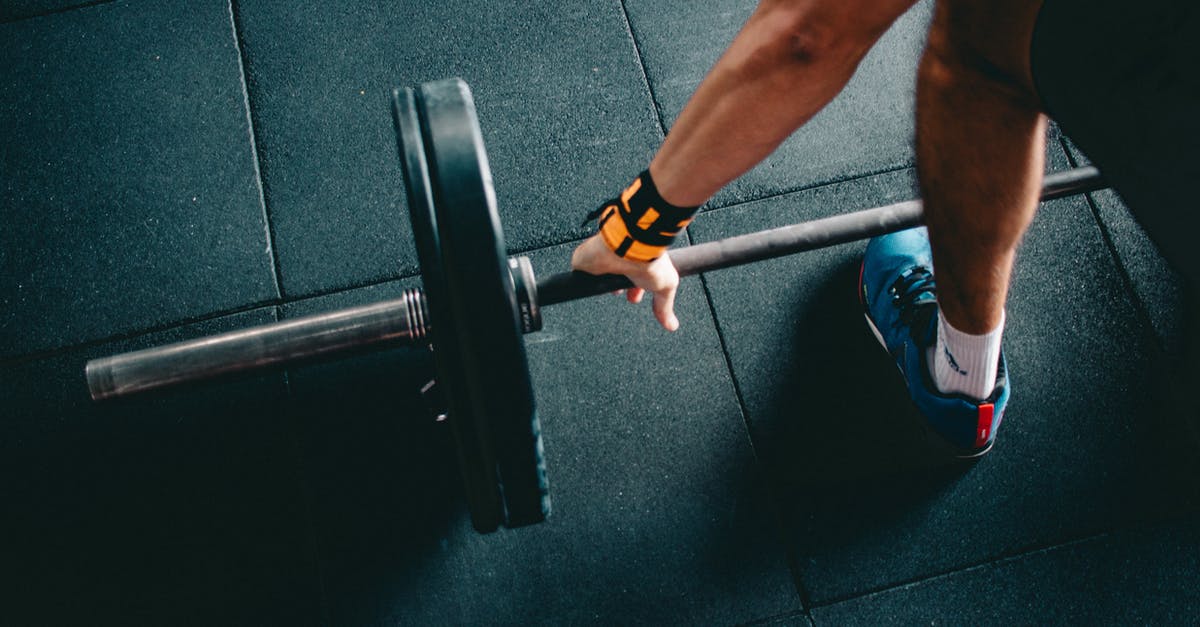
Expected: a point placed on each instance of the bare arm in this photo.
(788, 61)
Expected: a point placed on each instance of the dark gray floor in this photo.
(172, 169)
(857, 489)
(1106, 579)
(320, 77)
(131, 196)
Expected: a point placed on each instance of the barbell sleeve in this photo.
(787, 240)
(399, 321)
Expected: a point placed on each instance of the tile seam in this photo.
(1031, 550)
(575, 239)
(775, 618)
(1139, 303)
(1007, 557)
(813, 186)
(60, 10)
(350, 287)
(23, 358)
(272, 249)
(641, 62)
(314, 537)
(790, 553)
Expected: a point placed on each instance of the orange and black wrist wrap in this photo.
(639, 225)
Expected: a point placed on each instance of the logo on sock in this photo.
(953, 364)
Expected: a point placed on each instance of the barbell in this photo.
(476, 304)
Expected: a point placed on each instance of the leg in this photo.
(1131, 107)
(980, 152)
(789, 60)
(980, 143)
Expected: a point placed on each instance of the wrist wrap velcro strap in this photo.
(639, 225)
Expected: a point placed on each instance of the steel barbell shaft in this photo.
(398, 321)
(405, 320)
(787, 240)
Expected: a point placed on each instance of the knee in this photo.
(815, 33)
(949, 64)
(809, 42)
(978, 46)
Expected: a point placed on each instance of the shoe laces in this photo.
(913, 292)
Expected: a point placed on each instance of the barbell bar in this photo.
(476, 303)
(795, 238)
(406, 320)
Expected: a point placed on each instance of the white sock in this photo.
(961, 363)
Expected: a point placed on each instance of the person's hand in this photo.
(658, 277)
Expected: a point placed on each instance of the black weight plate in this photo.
(478, 469)
(482, 298)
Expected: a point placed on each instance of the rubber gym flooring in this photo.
(171, 169)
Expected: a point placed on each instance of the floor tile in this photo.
(562, 103)
(1083, 447)
(1156, 283)
(660, 512)
(1147, 576)
(130, 196)
(868, 128)
(12, 10)
(180, 507)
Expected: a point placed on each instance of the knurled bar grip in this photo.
(787, 240)
(405, 320)
(401, 321)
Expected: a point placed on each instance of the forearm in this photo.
(788, 61)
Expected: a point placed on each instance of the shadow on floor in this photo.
(180, 507)
(854, 459)
(382, 474)
(845, 416)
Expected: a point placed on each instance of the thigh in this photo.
(991, 36)
(1121, 80)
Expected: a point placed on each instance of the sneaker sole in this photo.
(953, 450)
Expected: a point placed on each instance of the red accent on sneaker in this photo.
(984, 427)
(862, 297)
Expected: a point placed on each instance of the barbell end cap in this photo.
(99, 379)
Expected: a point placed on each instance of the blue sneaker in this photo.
(897, 291)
